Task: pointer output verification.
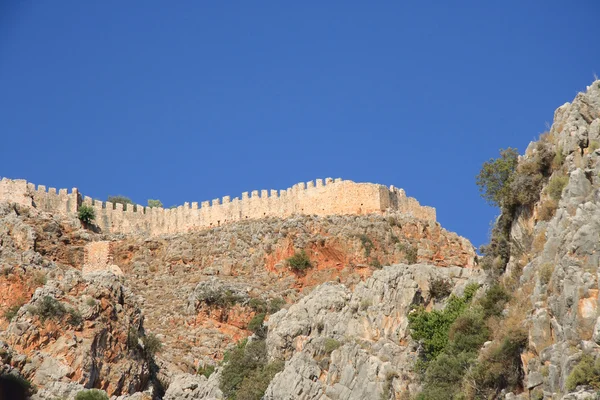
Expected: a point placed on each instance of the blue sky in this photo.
(194, 100)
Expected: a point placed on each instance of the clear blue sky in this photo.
(194, 100)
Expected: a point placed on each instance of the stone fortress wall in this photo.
(328, 197)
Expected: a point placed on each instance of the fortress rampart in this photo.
(322, 197)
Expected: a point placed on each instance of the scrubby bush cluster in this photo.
(510, 185)
(50, 308)
(219, 297)
(439, 288)
(410, 252)
(247, 372)
(151, 344)
(451, 339)
(586, 372)
(299, 262)
(206, 370)
(91, 394)
(262, 306)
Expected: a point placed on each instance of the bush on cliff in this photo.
(556, 186)
(432, 327)
(496, 175)
(152, 344)
(586, 372)
(86, 214)
(91, 394)
(299, 262)
(49, 308)
(247, 374)
(499, 368)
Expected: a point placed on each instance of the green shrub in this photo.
(444, 375)
(241, 362)
(556, 185)
(219, 298)
(86, 214)
(439, 288)
(155, 203)
(593, 146)
(495, 177)
(525, 188)
(91, 394)
(586, 372)
(500, 367)
(253, 387)
(375, 263)
(258, 305)
(152, 344)
(75, 319)
(432, 327)
(299, 262)
(494, 301)
(256, 323)
(276, 304)
(206, 370)
(49, 307)
(468, 333)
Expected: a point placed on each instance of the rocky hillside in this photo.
(182, 279)
(67, 325)
(337, 307)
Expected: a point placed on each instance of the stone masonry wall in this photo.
(327, 197)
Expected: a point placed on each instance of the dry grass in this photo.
(519, 307)
(547, 209)
(539, 241)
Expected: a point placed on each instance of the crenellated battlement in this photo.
(319, 197)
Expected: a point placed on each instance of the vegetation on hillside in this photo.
(86, 214)
(247, 372)
(453, 363)
(299, 262)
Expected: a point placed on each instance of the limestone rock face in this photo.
(341, 344)
(560, 282)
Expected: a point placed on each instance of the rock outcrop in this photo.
(343, 344)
